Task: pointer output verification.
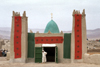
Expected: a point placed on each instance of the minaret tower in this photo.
(18, 46)
(78, 37)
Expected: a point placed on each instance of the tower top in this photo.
(51, 16)
(78, 12)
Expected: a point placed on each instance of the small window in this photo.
(17, 54)
(17, 42)
(46, 39)
(17, 48)
(56, 39)
(17, 30)
(77, 30)
(16, 36)
(77, 56)
(51, 39)
(77, 40)
(77, 25)
(41, 39)
(77, 35)
(17, 19)
(77, 19)
(17, 25)
(77, 15)
(77, 51)
(78, 46)
(61, 39)
(37, 40)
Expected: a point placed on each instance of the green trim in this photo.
(31, 43)
(56, 54)
(67, 45)
(38, 54)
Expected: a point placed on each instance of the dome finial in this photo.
(51, 16)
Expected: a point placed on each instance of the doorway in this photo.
(50, 53)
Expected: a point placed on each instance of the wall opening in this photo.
(50, 54)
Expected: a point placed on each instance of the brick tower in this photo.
(18, 46)
(78, 37)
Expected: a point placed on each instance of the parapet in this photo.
(18, 13)
(78, 12)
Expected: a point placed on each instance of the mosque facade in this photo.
(60, 47)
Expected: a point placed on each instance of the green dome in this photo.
(52, 26)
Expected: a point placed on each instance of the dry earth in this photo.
(91, 53)
(5, 63)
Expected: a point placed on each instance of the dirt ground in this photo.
(91, 53)
(5, 63)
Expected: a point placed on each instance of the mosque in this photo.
(60, 47)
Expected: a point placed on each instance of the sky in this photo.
(39, 12)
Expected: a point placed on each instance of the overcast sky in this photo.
(39, 12)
